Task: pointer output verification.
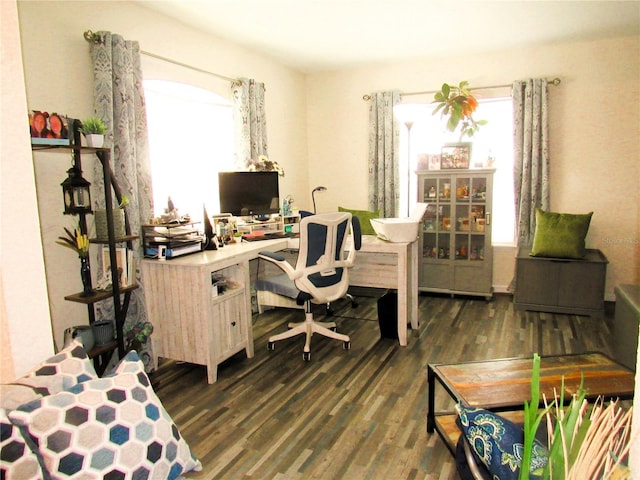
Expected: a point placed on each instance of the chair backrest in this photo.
(322, 269)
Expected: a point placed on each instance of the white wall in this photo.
(594, 133)
(58, 76)
(26, 323)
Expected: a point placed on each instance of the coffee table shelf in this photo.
(503, 385)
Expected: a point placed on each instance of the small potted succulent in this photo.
(93, 129)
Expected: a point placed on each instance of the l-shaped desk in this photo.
(192, 323)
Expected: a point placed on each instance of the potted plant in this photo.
(93, 129)
(458, 104)
(585, 440)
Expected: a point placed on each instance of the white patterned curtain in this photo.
(384, 168)
(250, 121)
(531, 150)
(119, 102)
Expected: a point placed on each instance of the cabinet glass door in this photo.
(437, 219)
(470, 215)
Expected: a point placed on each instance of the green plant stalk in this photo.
(532, 419)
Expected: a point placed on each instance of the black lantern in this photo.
(75, 190)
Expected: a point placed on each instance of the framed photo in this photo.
(49, 128)
(121, 261)
(455, 155)
(428, 161)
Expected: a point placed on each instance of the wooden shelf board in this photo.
(96, 296)
(100, 349)
(105, 241)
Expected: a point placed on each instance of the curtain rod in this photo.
(92, 37)
(555, 81)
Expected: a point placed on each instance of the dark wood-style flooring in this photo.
(352, 414)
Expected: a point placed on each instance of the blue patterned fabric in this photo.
(499, 443)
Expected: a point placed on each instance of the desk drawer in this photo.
(378, 270)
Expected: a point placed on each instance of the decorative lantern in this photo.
(75, 189)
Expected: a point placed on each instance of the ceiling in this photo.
(319, 35)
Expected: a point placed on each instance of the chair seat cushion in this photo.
(279, 284)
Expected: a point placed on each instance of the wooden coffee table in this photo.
(503, 385)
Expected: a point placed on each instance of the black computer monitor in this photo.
(244, 194)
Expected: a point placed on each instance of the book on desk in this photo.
(174, 248)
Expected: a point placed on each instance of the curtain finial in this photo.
(92, 37)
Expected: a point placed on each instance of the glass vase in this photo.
(85, 275)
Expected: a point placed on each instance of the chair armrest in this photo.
(280, 261)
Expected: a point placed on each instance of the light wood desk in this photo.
(193, 325)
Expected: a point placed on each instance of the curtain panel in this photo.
(119, 102)
(250, 121)
(384, 139)
(531, 154)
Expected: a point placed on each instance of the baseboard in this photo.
(501, 289)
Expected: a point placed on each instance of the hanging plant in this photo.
(458, 105)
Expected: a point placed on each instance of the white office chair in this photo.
(321, 273)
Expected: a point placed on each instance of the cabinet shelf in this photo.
(97, 295)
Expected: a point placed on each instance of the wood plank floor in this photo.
(353, 414)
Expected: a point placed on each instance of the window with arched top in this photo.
(190, 141)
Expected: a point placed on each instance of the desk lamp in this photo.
(313, 196)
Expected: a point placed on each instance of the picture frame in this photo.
(428, 161)
(49, 128)
(121, 261)
(455, 156)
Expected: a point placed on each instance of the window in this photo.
(190, 141)
(495, 140)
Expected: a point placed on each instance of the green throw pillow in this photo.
(560, 235)
(364, 216)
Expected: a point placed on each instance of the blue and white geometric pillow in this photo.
(17, 460)
(499, 443)
(71, 364)
(111, 427)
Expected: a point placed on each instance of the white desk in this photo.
(193, 326)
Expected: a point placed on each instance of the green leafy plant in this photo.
(93, 125)
(137, 334)
(457, 104)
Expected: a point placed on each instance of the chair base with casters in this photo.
(309, 327)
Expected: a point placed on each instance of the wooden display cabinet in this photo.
(455, 239)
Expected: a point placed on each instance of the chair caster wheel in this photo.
(346, 345)
(306, 356)
(271, 346)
